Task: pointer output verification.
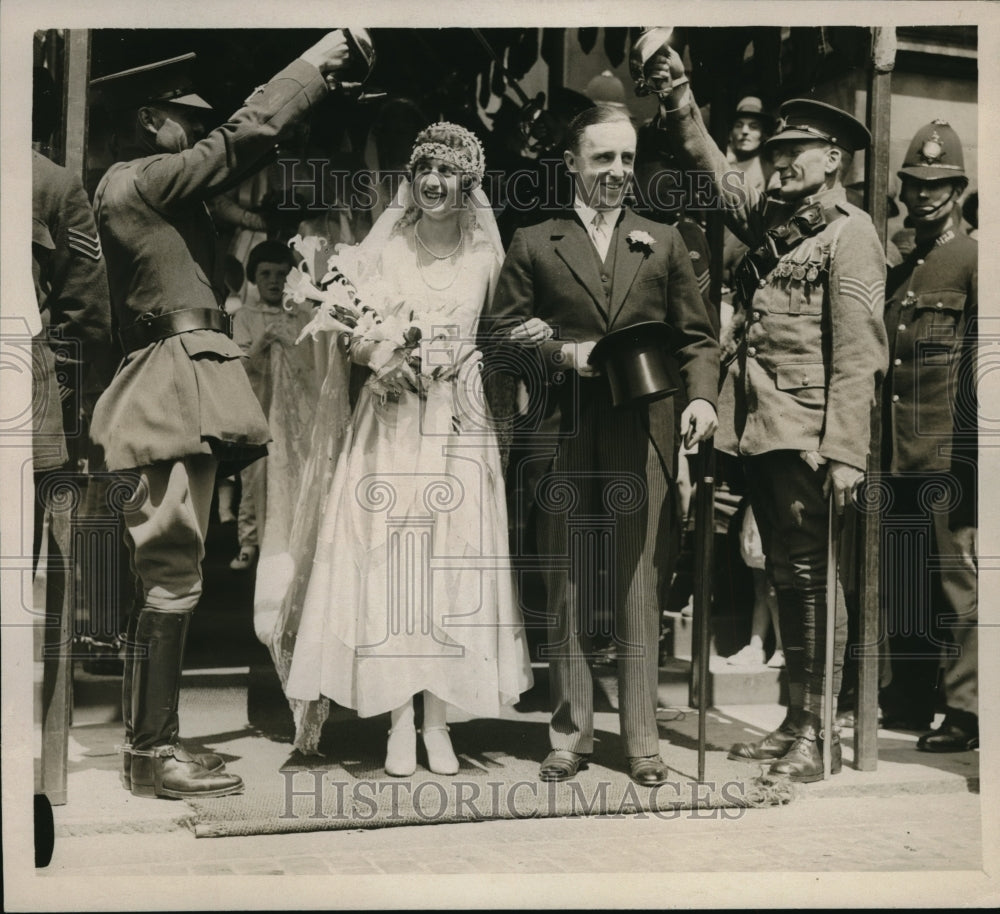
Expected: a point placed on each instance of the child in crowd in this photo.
(283, 377)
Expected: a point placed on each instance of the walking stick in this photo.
(704, 521)
(832, 562)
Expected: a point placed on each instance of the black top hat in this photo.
(805, 119)
(164, 81)
(634, 360)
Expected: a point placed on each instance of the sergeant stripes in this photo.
(87, 245)
(869, 294)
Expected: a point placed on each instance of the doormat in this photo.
(347, 787)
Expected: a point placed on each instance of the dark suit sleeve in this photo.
(697, 345)
(514, 302)
(235, 148)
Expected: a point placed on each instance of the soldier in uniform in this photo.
(71, 288)
(180, 407)
(929, 452)
(813, 285)
(72, 327)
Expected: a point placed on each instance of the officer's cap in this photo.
(935, 154)
(805, 119)
(164, 81)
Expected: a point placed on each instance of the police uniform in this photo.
(181, 404)
(929, 455)
(807, 365)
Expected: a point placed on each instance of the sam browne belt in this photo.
(151, 328)
(778, 241)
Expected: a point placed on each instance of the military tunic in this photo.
(187, 394)
(815, 340)
(71, 287)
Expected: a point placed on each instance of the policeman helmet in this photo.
(935, 154)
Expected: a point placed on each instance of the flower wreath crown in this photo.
(453, 144)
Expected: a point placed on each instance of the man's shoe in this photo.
(803, 762)
(648, 771)
(774, 745)
(208, 760)
(561, 765)
(169, 771)
(949, 737)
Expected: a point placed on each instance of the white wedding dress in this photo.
(410, 588)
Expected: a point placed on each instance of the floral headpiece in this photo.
(453, 144)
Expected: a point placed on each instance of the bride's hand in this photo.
(464, 359)
(533, 330)
(397, 375)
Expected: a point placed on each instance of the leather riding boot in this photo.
(803, 762)
(210, 760)
(775, 744)
(159, 766)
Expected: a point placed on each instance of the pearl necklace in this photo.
(421, 268)
(451, 253)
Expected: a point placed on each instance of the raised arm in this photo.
(689, 139)
(233, 149)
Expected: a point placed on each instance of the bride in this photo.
(401, 581)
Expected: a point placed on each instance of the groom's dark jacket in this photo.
(553, 271)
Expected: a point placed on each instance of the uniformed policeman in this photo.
(813, 283)
(929, 451)
(180, 407)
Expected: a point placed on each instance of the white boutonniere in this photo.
(640, 240)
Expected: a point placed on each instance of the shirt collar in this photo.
(587, 213)
(827, 197)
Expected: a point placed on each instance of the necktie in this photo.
(600, 235)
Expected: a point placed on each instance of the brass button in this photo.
(940, 304)
(895, 398)
(902, 327)
(752, 351)
(761, 283)
(897, 362)
(920, 262)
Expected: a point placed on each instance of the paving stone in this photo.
(304, 865)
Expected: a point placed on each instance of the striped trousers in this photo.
(603, 519)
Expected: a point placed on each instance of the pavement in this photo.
(910, 833)
(916, 821)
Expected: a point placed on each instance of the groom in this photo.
(600, 476)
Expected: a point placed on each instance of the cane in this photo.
(832, 561)
(704, 535)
